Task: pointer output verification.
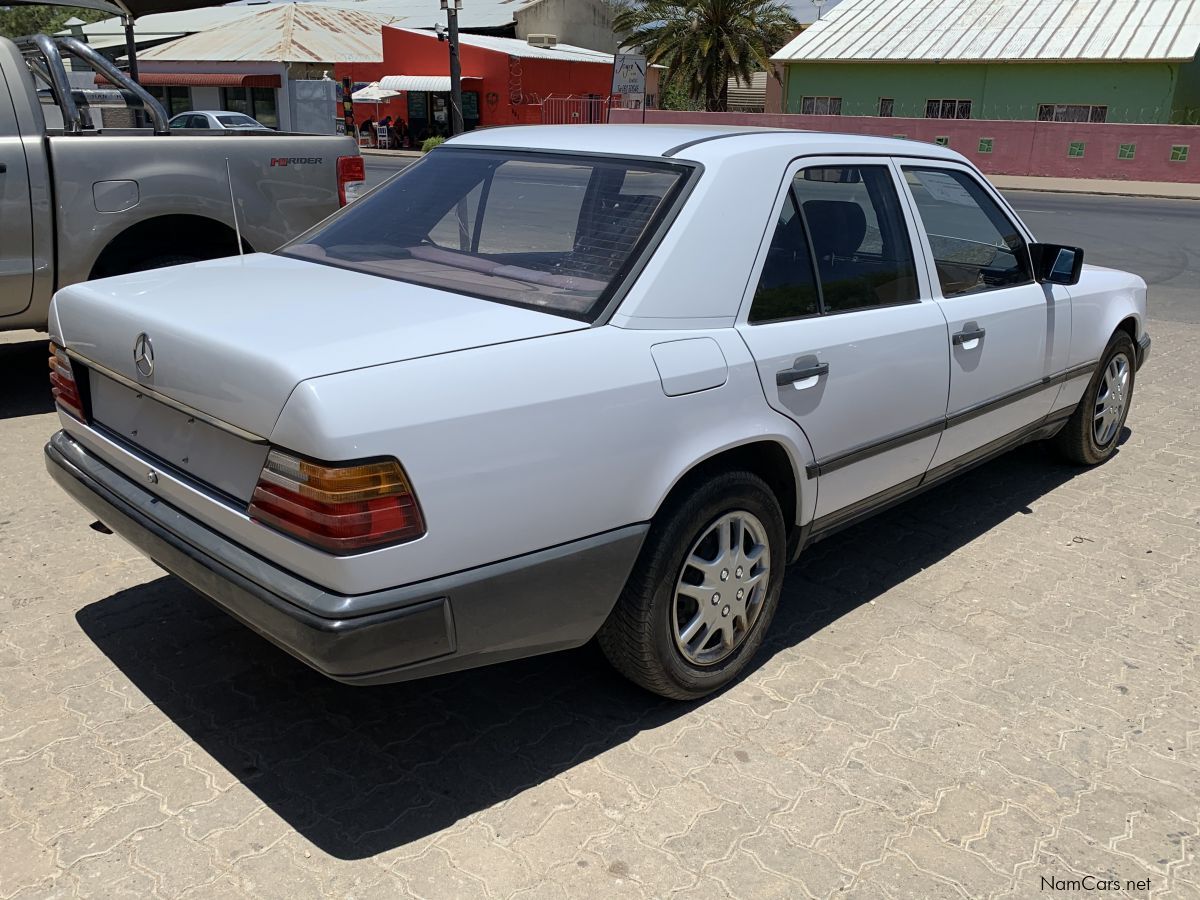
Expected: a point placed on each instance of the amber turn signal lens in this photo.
(342, 509)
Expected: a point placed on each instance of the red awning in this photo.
(202, 79)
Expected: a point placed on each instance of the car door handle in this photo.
(803, 377)
(962, 338)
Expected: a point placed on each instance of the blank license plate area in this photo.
(205, 452)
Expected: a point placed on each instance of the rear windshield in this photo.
(238, 121)
(555, 233)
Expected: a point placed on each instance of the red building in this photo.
(505, 81)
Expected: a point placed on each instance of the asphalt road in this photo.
(1158, 239)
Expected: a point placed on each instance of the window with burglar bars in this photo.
(887, 107)
(947, 109)
(1071, 112)
(821, 106)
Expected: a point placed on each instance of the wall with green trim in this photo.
(1133, 92)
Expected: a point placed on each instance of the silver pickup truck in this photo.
(79, 202)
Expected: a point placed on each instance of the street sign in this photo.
(629, 75)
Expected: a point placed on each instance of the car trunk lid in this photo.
(233, 337)
(230, 340)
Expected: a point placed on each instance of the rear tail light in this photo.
(62, 383)
(339, 508)
(351, 173)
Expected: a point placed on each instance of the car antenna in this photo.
(237, 229)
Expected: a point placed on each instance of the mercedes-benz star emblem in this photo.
(143, 355)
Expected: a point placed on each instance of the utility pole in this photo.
(456, 117)
(131, 47)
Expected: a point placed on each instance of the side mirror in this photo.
(1056, 264)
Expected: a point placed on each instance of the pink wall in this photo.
(1018, 148)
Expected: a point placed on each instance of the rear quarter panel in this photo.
(186, 175)
(525, 445)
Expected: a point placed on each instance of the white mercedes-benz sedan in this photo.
(564, 382)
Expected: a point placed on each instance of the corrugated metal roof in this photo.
(284, 32)
(425, 13)
(984, 30)
(525, 50)
(111, 32)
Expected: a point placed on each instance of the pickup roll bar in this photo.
(52, 69)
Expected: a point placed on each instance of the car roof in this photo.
(211, 112)
(678, 141)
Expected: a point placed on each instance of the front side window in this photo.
(556, 233)
(976, 247)
(863, 254)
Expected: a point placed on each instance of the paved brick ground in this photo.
(994, 683)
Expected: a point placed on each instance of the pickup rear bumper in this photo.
(548, 600)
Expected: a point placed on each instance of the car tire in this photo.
(1092, 433)
(646, 636)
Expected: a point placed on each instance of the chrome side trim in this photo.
(168, 401)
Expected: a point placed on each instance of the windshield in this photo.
(551, 232)
(238, 122)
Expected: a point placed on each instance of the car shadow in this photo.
(25, 379)
(358, 771)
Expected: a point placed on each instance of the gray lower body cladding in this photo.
(548, 600)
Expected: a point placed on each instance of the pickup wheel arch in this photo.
(765, 458)
(166, 237)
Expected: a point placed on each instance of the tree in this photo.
(18, 21)
(704, 43)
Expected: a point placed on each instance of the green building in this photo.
(1120, 61)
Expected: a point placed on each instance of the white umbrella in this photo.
(373, 93)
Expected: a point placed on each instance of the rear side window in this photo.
(555, 233)
(787, 287)
(863, 254)
(976, 247)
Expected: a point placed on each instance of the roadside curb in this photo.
(1097, 188)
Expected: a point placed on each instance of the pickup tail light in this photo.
(339, 508)
(62, 383)
(351, 173)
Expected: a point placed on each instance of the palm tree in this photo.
(704, 43)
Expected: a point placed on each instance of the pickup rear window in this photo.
(551, 232)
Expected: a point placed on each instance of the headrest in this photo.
(838, 226)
